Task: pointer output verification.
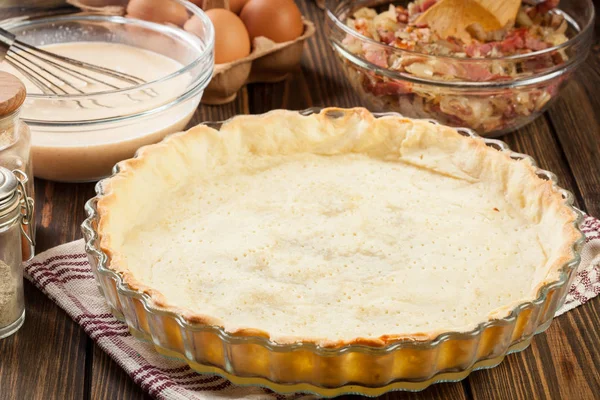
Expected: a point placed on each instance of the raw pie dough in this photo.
(333, 229)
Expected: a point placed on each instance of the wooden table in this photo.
(52, 358)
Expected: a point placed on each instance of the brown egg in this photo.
(232, 41)
(278, 20)
(161, 11)
(237, 5)
(195, 26)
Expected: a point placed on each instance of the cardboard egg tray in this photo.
(268, 61)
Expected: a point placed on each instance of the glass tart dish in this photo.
(317, 251)
(493, 85)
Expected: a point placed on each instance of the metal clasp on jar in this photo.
(27, 208)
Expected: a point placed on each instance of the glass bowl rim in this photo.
(522, 82)
(517, 57)
(93, 250)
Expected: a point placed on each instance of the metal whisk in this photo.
(55, 74)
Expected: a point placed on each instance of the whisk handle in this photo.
(6, 40)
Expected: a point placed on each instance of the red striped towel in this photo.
(64, 275)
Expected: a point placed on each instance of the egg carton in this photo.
(268, 62)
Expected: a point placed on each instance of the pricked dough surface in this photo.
(336, 247)
(334, 229)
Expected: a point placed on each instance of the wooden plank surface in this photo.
(46, 358)
(52, 358)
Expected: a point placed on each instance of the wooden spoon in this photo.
(505, 11)
(452, 17)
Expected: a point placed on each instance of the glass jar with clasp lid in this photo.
(16, 211)
(15, 139)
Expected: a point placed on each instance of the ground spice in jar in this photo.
(9, 303)
(7, 135)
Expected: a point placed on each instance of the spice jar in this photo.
(15, 215)
(15, 138)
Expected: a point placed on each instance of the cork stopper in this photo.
(12, 93)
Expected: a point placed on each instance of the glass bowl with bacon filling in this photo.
(465, 64)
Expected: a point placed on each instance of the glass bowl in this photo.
(77, 147)
(459, 91)
(330, 371)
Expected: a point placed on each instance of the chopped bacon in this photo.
(472, 50)
(509, 111)
(534, 30)
(386, 36)
(513, 41)
(546, 6)
(479, 73)
(401, 15)
(445, 69)
(375, 55)
(389, 88)
(477, 49)
(486, 48)
(535, 44)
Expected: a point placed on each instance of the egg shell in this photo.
(164, 11)
(237, 5)
(278, 20)
(232, 41)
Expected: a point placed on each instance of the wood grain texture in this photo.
(45, 358)
(577, 126)
(454, 391)
(561, 363)
(49, 342)
(537, 140)
(12, 93)
(576, 122)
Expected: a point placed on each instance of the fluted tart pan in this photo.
(367, 367)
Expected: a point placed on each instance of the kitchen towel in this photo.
(64, 275)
